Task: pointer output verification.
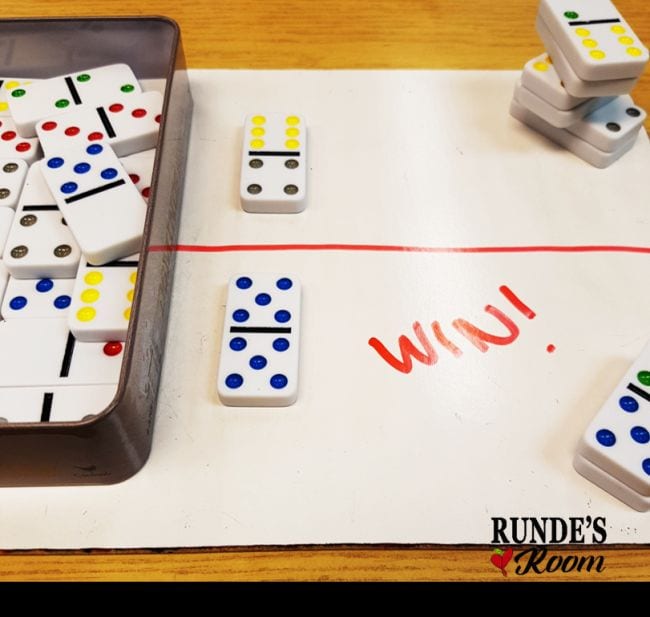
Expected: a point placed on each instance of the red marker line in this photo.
(393, 248)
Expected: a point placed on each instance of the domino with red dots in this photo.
(274, 164)
(12, 178)
(101, 205)
(128, 126)
(101, 301)
(48, 97)
(261, 336)
(13, 146)
(614, 452)
(140, 169)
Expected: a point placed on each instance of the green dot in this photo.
(62, 103)
(644, 377)
(127, 88)
(18, 92)
(83, 77)
(571, 15)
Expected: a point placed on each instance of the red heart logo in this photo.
(500, 559)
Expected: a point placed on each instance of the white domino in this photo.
(617, 441)
(6, 84)
(13, 146)
(260, 349)
(12, 177)
(128, 126)
(596, 40)
(36, 298)
(48, 97)
(101, 301)
(274, 164)
(101, 205)
(140, 169)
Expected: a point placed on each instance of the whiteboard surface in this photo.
(426, 160)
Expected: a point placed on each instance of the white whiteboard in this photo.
(369, 454)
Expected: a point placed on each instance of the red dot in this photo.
(113, 349)
(23, 146)
(95, 136)
(158, 118)
(48, 126)
(550, 348)
(145, 192)
(115, 107)
(134, 178)
(139, 113)
(71, 131)
(8, 135)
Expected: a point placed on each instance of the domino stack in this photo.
(71, 221)
(577, 93)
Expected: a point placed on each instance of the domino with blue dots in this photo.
(614, 452)
(100, 203)
(261, 336)
(36, 298)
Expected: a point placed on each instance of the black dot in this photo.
(613, 126)
(633, 111)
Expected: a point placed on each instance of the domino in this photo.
(595, 39)
(6, 84)
(101, 205)
(101, 301)
(260, 347)
(12, 177)
(579, 147)
(557, 117)
(43, 352)
(13, 146)
(574, 84)
(617, 441)
(36, 298)
(54, 404)
(140, 169)
(48, 97)
(128, 127)
(274, 164)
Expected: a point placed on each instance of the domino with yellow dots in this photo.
(6, 84)
(101, 301)
(274, 164)
(595, 39)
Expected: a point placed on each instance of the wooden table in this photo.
(330, 34)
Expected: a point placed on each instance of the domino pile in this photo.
(577, 94)
(76, 159)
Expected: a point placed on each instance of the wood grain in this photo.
(330, 34)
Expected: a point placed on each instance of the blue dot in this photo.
(238, 343)
(257, 362)
(17, 303)
(640, 434)
(278, 381)
(81, 168)
(280, 344)
(62, 302)
(234, 380)
(282, 316)
(69, 187)
(240, 315)
(94, 149)
(243, 282)
(284, 284)
(629, 404)
(262, 299)
(646, 465)
(44, 285)
(605, 437)
(109, 173)
(55, 162)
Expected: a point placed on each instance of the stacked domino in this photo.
(577, 94)
(76, 159)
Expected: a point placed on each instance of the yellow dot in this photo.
(129, 295)
(292, 144)
(589, 43)
(93, 278)
(598, 54)
(540, 66)
(89, 296)
(618, 29)
(10, 85)
(634, 51)
(133, 277)
(582, 32)
(293, 120)
(3, 106)
(87, 313)
(127, 313)
(258, 120)
(256, 144)
(625, 40)
(257, 131)
(292, 132)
